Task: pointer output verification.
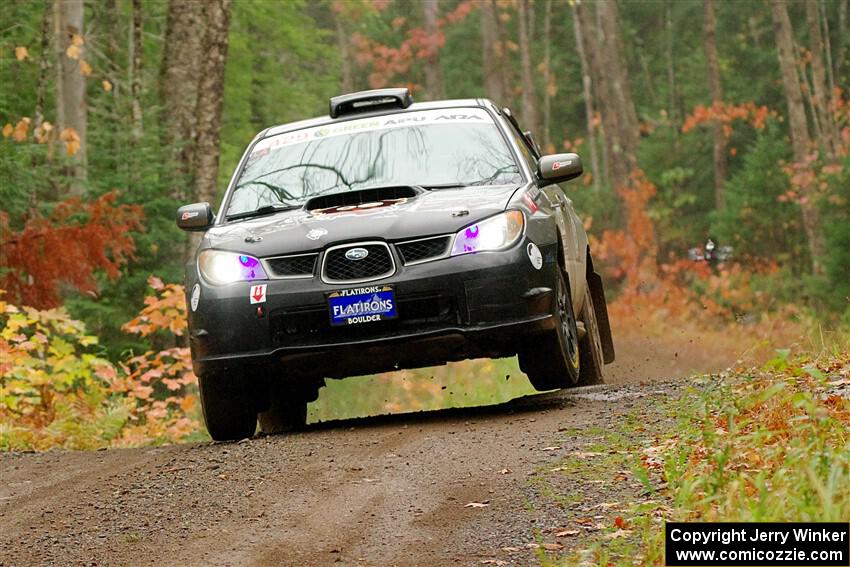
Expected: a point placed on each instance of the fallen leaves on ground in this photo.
(547, 546)
(477, 504)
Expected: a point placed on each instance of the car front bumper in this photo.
(475, 305)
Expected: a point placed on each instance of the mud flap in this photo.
(597, 293)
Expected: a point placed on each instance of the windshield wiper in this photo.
(444, 186)
(264, 210)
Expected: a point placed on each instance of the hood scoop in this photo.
(361, 199)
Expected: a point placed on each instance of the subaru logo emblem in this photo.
(356, 254)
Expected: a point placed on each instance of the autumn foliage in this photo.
(726, 114)
(56, 390)
(388, 63)
(66, 247)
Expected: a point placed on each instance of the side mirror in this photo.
(195, 217)
(559, 167)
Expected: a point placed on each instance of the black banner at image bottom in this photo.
(823, 544)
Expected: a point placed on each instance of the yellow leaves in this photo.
(21, 129)
(21, 53)
(85, 68)
(71, 139)
(107, 86)
(166, 310)
(42, 132)
(75, 49)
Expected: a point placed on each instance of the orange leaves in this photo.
(620, 523)
(75, 49)
(56, 392)
(22, 129)
(460, 13)
(67, 247)
(71, 139)
(726, 114)
(390, 64)
(42, 134)
(107, 86)
(164, 311)
(21, 53)
(631, 252)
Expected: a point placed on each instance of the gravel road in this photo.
(449, 487)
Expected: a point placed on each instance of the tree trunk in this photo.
(587, 94)
(827, 51)
(529, 106)
(491, 51)
(71, 109)
(821, 95)
(179, 77)
(673, 111)
(137, 51)
(841, 48)
(210, 100)
(43, 67)
(800, 140)
(548, 84)
(616, 105)
(716, 87)
(343, 45)
(591, 36)
(433, 76)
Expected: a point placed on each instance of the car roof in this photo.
(431, 105)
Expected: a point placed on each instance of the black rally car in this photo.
(387, 235)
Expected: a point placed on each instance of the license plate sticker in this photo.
(362, 305)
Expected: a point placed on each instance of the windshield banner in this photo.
(401, 120)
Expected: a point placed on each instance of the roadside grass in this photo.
(456, 384)
(769, 444)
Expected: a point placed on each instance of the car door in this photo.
(574, 238)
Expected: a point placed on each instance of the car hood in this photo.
(432, 212)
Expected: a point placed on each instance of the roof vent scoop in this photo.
(364, 101)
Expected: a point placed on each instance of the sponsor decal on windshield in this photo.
(423, 117)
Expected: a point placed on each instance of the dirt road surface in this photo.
(451, 487)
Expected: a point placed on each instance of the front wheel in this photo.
(287, 410)
(228, 405)
(551, 361)
(592, 358)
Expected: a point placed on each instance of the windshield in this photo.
(431, 148)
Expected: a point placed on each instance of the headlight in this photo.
(496, 233)
(222, 268)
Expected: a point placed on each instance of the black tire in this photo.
(228, 406)
(590, 346)
(551, 361)
(287, 410)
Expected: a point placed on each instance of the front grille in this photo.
(422, 250)
(378, 263)
(301, 265)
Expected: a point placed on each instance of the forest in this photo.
(695, 119)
